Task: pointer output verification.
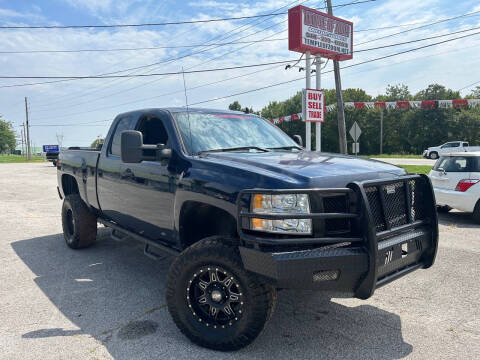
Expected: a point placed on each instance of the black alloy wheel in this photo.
(215, 297)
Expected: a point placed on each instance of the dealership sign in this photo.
(314, 105)
(319, 33)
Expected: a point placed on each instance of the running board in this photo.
(148, 243)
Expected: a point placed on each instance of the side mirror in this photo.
(298, 140)
(131, 146)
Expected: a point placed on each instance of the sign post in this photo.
(308, 125)
(355, 133)
(318, 125)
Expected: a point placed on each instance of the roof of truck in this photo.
(183, 109)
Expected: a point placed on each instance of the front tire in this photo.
(433, 155)
(476, 212)
(78, 222)
(213, 300)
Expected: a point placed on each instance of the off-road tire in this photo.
(258, 298)
(443, 209)
(78, 222)
(433, 155)
(476, 212)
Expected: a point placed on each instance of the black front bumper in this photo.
(350, 264)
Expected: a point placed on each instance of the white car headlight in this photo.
(281, 204)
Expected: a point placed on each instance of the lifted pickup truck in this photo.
(246, 210)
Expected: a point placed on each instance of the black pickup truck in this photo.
(246, 211)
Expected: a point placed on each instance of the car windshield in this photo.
(202, 131)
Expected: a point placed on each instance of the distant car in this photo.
(456, 182)
(435, 152)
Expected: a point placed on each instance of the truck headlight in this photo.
(281, 204)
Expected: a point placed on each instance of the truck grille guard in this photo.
(386, 212)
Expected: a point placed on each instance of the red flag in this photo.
(462, 103)
(380, 104)
(403, 105)
(428, 104)
(295, 117)
(359, 105)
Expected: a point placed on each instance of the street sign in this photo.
(50, 148)
(355, 131)
(355, 147)
(319, 33)
(314, 105)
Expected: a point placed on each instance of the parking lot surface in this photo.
(108, 301)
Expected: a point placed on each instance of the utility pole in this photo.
(342, 134)
(308, 124)
(318, 125)
(29, 154)
(21, 133)
(381, 131)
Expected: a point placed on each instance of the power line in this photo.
(421, 27)
(135, 49)
(147, 75)
(160, 24)
(220, 69)
(345, 67)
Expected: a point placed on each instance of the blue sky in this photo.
(454, 64)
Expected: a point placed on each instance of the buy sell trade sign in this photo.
(314, 105)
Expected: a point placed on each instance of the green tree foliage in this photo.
(437, 92)
(7, 136)
(404, 131)
(237, 107)
(475, 94)
(97, 142)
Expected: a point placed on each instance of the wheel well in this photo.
(199, 220)
(69, 185)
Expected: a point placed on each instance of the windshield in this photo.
(213, 131)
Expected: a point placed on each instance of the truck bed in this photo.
(82, 165)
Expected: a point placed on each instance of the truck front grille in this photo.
(396, 203)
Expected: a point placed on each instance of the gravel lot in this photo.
(108, 301)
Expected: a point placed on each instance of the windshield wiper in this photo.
(286, 148)
(234, 149)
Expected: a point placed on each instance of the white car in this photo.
(435, 152)
(456, 182)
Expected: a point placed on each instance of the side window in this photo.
(153, 131)
(455, 144)
(445, 146)
(124, 124)
(465, 144)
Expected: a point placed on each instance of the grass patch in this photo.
(402, 156)
(5, 158)
(417, 169)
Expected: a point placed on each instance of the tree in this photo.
(7, 136)
(437, 92)
(395, 93)
(97, 142)
(235, 106)
(475, 94)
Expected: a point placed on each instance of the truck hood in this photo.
(308, 168)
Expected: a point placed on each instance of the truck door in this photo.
(142, 196)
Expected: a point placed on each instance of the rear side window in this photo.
(457, 164)
(125, 123)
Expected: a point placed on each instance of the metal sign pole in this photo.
(308, 125)
(318, 125)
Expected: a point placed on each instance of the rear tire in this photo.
(433, 155)
(476, 212)
(213, 300)
(78, 222)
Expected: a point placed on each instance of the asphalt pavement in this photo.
(108, 301)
